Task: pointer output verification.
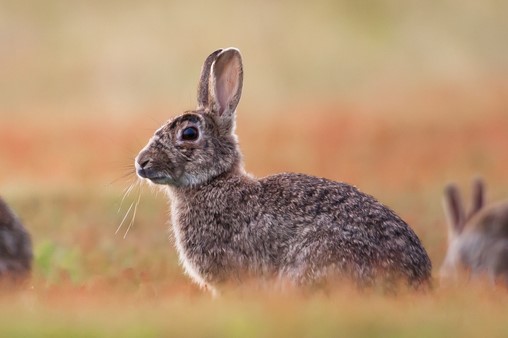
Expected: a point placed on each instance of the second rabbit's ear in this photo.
(454, 209)
(225, 86)
(478, 196)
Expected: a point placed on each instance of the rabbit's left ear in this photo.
(204, 80)
(225, 86)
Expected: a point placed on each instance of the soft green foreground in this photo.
(458, 313)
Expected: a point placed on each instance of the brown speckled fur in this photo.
(15, 246)
(288, 227)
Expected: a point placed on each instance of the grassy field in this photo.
(397, 99)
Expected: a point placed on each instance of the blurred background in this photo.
(396, 97)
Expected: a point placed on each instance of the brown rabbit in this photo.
(15, 246)
(478, 240)
(294, 228)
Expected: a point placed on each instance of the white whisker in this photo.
(126, 193)
(133, 214)
(125, 217)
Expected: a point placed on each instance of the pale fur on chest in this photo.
(231, 249)
(189, 267)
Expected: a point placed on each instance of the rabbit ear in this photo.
(454, 209)
(225, 86)
(204, 80)
(478, 195)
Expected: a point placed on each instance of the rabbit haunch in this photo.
(295, 228)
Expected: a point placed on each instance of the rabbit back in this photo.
(490, 221)
(341, 231)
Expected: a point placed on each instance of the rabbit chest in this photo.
(223, 237)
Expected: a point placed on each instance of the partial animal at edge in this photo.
(15, 246)
(477, 238)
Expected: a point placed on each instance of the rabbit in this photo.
(15, 246)
(478, 240)
(299, 230)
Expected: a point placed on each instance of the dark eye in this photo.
(190, 134)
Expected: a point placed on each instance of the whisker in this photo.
(123, 220)
(133, 214)
(130, 172)
(126, 193)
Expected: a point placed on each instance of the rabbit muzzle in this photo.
(145, 170)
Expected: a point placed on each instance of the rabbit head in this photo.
(201, 144)
(478, 239)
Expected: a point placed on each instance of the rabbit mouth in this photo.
(162, 180)
(165, 180)
(155, 177)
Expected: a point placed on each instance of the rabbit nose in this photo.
(144, 164)
(141, 164)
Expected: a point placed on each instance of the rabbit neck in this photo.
(220, 184)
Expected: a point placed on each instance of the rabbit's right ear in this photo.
(220, 85)
(453, 209)
(478, 196)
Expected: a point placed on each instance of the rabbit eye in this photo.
(190, 134)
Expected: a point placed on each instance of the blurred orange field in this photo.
(397, 98)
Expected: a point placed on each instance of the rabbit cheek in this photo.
(193, 171)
